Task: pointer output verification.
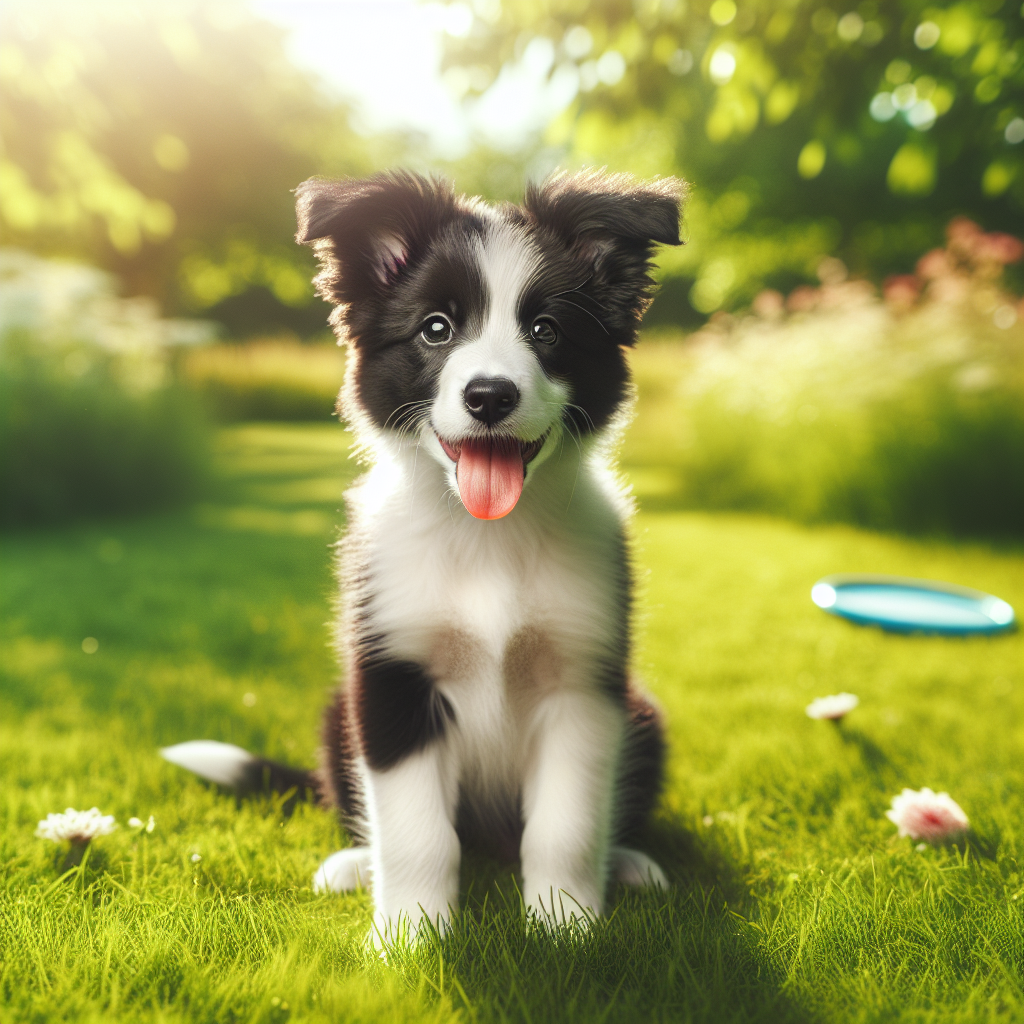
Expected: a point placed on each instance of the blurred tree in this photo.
(809, 128)
(161, 141)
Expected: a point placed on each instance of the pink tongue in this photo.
(490, 475)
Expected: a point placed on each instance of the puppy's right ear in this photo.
(367, 233)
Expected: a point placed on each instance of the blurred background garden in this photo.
(839, 339)
(831, 378)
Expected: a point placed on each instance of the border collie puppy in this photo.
(485, 574)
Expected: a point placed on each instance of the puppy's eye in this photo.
(436, 330)
(544, 331)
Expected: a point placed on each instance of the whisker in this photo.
(586, 415)
(404, 412)
(584, 309)
(582, 283)
(406, 418)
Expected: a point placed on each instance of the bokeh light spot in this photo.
(681, 62)
(882, 108)
(170, 153)
(926, 35)
(811, 161)
(722, 12)
(921, 115)
(898, 71)
(850, 27)
(577, 42)
(912, 171)
(722, 66)
(611, 67)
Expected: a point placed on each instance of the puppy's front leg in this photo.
(415, 851)
(567, 805)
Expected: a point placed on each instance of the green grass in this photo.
(792, 898)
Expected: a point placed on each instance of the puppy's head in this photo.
(483, 333)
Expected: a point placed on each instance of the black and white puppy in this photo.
(485, 573)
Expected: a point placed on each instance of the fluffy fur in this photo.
(487, 697)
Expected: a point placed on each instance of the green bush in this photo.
(80, 438)
(91, 419)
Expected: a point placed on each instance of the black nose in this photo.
(491, 399)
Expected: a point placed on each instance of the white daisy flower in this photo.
(834, 707)
(77, 826)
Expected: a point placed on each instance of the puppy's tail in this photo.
(238, 770)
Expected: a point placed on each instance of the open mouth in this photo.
(490, 471)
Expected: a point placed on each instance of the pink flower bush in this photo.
(935, 817)
(969, 267)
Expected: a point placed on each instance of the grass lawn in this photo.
(792, 898)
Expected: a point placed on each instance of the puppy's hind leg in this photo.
(631, 867)
(640, 779)
(347, 869)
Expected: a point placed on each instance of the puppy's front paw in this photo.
(405, 929)
(555, 907)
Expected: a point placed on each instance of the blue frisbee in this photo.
(901, 605)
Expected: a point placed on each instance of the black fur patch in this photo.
(398, 708)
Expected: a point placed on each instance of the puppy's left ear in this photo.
(612, 222)
(367, 232)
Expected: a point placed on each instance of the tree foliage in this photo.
(162, 141)
(809, 128)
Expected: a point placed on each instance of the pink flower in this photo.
(935, 817)
(934, 264)
(999, 248)
(901, 291)
(802, 299)
(963, 235)
(769, 303)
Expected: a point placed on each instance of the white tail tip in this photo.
(223, 763)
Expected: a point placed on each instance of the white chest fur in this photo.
(500, 613)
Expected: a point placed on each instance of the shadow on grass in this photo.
(874, 758)
(684, 954)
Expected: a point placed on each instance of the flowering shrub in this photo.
(901, 411)
(92, 420)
